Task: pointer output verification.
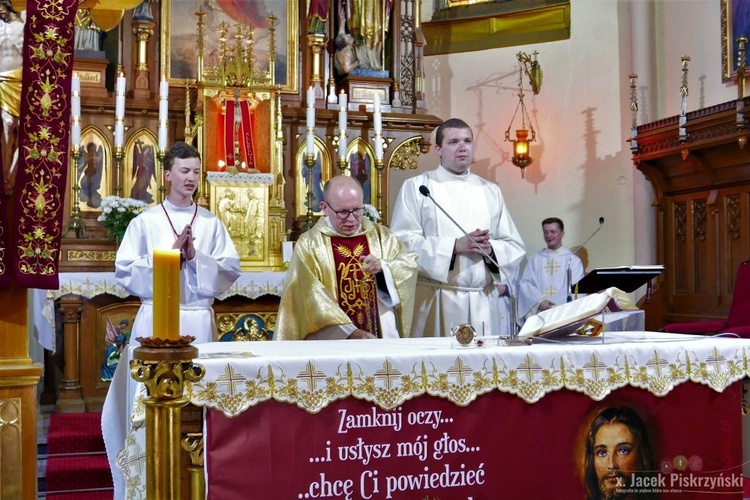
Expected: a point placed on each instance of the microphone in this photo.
(575, 254)
(601, 224)
(511, 295)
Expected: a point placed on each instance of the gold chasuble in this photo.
(326, 286)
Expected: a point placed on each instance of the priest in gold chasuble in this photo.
(349, 277)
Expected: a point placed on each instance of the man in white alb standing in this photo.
(456, 282)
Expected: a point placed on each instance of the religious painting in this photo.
(319, 175)
(361, 161)
(140, 177)
(113, 326)
(735, 23)
(179, 54)
(93, 174)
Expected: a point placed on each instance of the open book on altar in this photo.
(571, 317)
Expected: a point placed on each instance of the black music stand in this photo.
(628, 279)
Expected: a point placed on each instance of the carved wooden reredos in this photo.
(702, 201)
(266, 62)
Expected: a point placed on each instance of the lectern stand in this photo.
(628, 279)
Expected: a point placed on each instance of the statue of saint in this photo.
(87, 33)
(11, 61)
(367, 21)
(345, 60)
(318, 15)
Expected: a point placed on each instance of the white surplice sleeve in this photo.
(414, 223)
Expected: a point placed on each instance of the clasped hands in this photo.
(184, 243)
(482, 237)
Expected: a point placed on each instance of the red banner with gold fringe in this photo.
(5, 254)
(43, 141)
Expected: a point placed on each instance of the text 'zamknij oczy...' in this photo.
(376, 417)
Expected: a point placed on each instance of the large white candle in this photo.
(310, 146)
(342, 146)
(342, 111)
(163, 114)
(378, 147)
(119, 111)
(310, 108)
(310, 149)
(376, 118)
(120, 97)
(75, 112)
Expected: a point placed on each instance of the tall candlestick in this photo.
(310, 149)
(166, 286)
(119, 111)
(378, 147)
(163, 114)
(342, 111)
(376, 118)
(342, 145)
(310, 146)
(75, 112)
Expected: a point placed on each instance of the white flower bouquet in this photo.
(118, 212)
(372, 213)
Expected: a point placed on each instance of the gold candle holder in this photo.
(76, 222)
(163, 367)
(310, 164)
(379, 167)
(119, 155)
(161, 187)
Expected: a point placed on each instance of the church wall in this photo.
(582, 168)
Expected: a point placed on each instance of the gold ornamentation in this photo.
(90, 255)
(406, 154)
(464, 334)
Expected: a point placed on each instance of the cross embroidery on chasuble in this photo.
(357, 289)
(552, 267)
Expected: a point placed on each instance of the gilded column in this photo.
(19, 377)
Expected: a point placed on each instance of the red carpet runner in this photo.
(77, 466)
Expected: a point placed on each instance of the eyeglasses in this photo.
(344, 214)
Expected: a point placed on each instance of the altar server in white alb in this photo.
(210, 266)
(456, 282)
(549, 274)
(210, 261)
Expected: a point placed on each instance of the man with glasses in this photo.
(349, 278)
(457, 283)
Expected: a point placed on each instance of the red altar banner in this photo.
(498, 446)
(43, 142)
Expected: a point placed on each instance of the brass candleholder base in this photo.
(163, 366)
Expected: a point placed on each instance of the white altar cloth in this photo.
(312, 374)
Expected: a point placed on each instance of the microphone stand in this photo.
(575, 254)
(511, 295)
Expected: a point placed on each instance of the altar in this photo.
(422, 418)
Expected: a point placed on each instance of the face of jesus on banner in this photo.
(617, 449)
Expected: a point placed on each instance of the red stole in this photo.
(358, 294)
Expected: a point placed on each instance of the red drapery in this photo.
(37, 202)
(245, 127)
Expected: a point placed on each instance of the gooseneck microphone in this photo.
(601, 225)
(575, 254)
(511, 295)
